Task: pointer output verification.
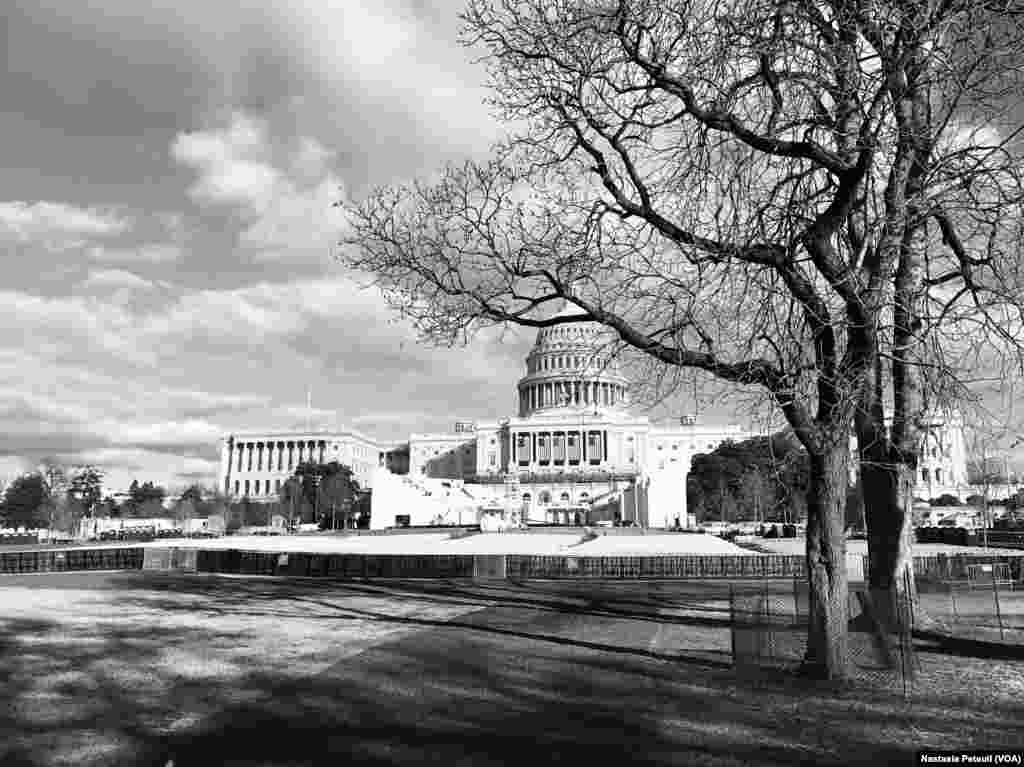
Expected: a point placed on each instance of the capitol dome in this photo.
(571, 368)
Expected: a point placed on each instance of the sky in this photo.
(167, 229)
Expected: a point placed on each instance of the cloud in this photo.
(195, 403)
(394, 52)
(56, 226)
(231, 163)
(150, 253)
(287, 203)
(300, 224)
(191, 432)
(311, 161)
(123, 464)
(104, 279)
(12, 466)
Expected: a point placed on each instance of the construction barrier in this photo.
(957, 567)
(351, 566)
(721, 566)
(490, 566)
(517, 567)
(300, 564)
(67, 560)
(156, 559)
(183, 560)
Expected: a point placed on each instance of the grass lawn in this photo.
(139, 668)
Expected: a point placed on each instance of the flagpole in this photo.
(309, 408)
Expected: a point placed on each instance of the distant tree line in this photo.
(58, 498)
(51, 497)
(765, 479)
(327, 494)
(759, 479)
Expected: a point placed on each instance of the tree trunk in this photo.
(827, 650)
(888, 500)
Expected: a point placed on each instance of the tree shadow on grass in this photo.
(473, 622)
(414, 701)
(468, 593)
(72, 691)
(460, 692)
(947, 644)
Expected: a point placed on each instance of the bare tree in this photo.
(291, 499)
(736, 188)
(55, 480)
(946, 217)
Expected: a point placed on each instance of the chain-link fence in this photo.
(969, 599)
(769, 630)
(983, 600)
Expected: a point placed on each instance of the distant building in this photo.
(254, 465)
(942, 457)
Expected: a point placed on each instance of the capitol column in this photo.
(225, 462)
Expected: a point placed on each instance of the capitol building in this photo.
(574, 452)
(574, 446)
